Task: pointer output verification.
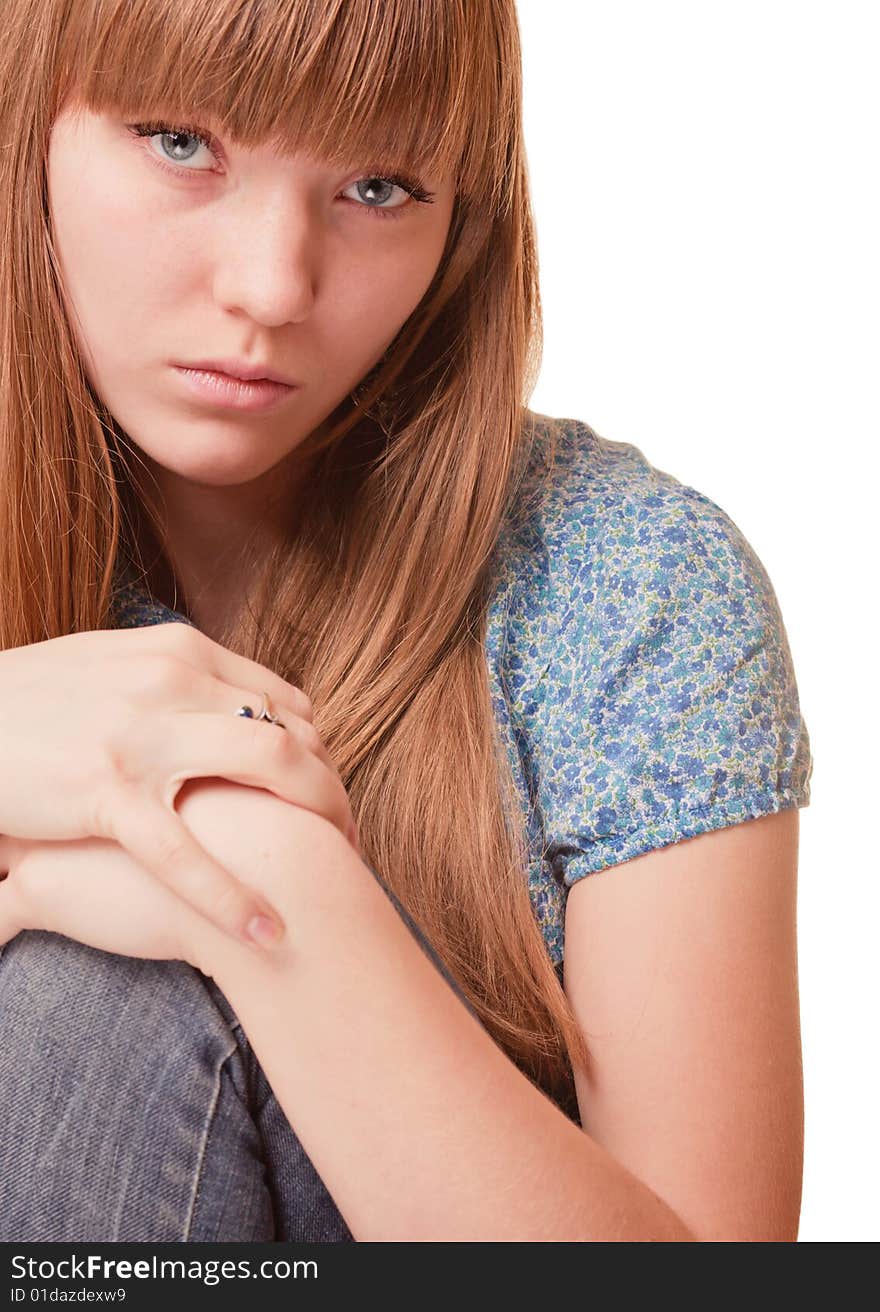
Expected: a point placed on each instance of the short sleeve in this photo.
(671, 706)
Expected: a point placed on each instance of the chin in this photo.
(219, 468)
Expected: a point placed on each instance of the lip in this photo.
(229, 392)
(237, 369)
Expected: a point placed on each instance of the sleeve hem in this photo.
(684, 822)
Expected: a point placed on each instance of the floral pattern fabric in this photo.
(638, 664)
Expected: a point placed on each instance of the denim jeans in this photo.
(133, 1109)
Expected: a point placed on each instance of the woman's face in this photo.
(173, 251)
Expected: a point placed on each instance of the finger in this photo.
(237, 671)
(11, 917)
(302, 728)
(256, 754)
(157, 838)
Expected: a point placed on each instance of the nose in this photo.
(268, 262)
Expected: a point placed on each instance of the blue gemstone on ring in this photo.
(246, 711)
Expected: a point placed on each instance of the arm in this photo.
(420, 1127)
(682, 967)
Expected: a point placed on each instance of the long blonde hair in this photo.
(377, 605)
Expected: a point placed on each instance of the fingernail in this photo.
(265, 932)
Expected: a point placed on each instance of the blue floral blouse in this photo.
(638, 663)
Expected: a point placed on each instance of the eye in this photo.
(403, 182)
(177, 136)
(374, 181)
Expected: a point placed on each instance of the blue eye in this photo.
(412, 186)
(150, 130)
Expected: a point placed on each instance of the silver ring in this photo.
(265, 713)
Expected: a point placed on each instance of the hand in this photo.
(100, 730)
(90, 890)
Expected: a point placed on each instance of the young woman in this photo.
(516, 652)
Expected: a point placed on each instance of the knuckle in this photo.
(176, 673)
(154, 669)
(275, 743)
(227, 903)
(171, 847)
(114, 802)
(267, 743)
(123, 760)
(304, 707)
(308, 736)
(160, 679)
(104, 809)
(179, 637)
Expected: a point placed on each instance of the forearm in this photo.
(419, 1125)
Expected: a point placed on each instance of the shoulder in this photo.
(612, 549)
(607, 550)
(596, 501)
(643, 656)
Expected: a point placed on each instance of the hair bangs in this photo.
(388, 82)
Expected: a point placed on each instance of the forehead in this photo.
(415, 82)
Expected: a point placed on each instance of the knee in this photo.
(58, 991)
(86, 1034)
(112, 1070)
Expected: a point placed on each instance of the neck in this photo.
(200, 561)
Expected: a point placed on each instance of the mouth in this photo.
(228, 392)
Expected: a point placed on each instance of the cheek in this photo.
(112, 272)
(375, 295)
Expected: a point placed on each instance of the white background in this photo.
(705, 185)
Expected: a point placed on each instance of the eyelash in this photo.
(412, 186)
